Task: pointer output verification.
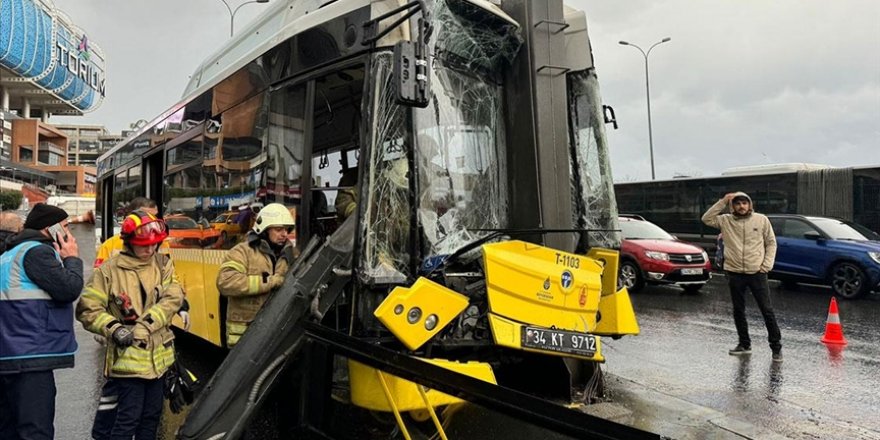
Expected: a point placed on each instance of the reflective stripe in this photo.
(833, 318)
(235, 265)
(100, 322)
(17, 294)
(254, 283)
(144, 362)
(232, 339)
(234, 331)
(107, 406)
(95, 294)
(108, 399)
(157, 313)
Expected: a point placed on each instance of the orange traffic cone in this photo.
(833, 329)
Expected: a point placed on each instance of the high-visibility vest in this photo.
(32, 324)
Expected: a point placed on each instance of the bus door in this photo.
(154, 168)
(185, 199)
(335, 145)
(105, 200)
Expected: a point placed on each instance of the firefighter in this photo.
(114, 245)
(130, 300)
(256, 267)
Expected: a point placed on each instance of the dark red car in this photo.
(651, 255)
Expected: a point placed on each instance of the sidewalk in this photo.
(639, 406)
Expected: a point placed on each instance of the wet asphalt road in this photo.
(816, 393)
(680, 357)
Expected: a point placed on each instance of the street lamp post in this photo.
(232, 13)
(648, 93)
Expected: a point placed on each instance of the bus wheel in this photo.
(848, 281)
(630, 277)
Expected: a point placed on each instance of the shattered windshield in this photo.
(459, 145)
(460, 150)
(592, 186)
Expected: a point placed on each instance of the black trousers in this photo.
(129, 408)
(27, 406)
(756, 283)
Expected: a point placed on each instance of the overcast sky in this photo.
(743, 82)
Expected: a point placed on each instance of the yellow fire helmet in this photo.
(274, 214)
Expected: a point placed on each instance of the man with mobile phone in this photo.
(41, 276)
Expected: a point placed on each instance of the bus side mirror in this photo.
(411, 80)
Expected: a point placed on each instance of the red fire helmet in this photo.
(143, 229)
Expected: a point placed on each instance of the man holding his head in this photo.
(749, 254)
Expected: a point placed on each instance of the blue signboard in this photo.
(73, 69)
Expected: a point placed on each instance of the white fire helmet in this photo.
(274, 214)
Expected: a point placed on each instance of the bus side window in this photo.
(283, 173)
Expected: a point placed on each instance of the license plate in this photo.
(559, 340)
(692, 271)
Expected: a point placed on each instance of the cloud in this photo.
(742, 81)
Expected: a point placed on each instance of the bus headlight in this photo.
(657, 255)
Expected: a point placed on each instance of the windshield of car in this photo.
(840, 230)
(641, 230)
(181, 223)
(220, 218)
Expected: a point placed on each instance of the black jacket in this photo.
(5, 235)
(62, 281)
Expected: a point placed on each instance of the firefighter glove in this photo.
(275, 281)
(123, 337)
(184, 315)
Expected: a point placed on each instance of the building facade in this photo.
(48, 66)
(87, 142)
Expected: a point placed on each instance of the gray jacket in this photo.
(749, 241)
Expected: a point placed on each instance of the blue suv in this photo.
(822, 250)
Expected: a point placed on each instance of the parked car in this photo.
(828, 251)
(225, 223)
(651, 255)
(184, 232)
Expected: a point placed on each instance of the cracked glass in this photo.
(592, 185)
(459, 145)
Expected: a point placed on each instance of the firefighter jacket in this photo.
(244, 279)
(37, 291)
(142, 295)
(749, 241)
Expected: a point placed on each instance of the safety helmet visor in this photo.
(149, 233)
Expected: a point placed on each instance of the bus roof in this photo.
(774, 168)
(743, 172)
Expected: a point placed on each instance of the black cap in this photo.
(741, 197)
(43, 216)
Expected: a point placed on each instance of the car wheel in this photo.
(848, 281)
(630, 276)
(692, 289)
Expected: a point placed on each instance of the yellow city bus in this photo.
(462, 124)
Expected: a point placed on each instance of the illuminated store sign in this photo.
(41, 45)
(77, 61)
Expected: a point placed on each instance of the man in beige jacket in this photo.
(749, 253)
